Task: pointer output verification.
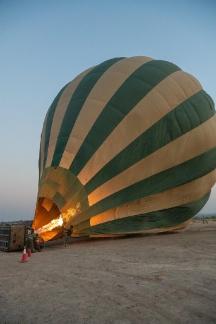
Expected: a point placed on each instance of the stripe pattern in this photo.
(132, 142)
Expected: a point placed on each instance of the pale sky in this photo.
(45, 44)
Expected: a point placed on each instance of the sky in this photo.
(45, 44)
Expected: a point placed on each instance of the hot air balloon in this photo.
(128, 146)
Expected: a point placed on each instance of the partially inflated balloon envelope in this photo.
(128, 146)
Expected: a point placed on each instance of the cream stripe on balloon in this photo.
(99, 96)
(42, 145)
(60, 112)
(174, 197)
(186, 147)
(163, 98)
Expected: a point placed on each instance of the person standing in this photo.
(29, 241)
(67, 232)
(37, 242)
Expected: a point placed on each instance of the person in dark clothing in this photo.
(205, 220)
(29, 240)
(67, 232)
(37, 243)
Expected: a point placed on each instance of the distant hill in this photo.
(208, 216)
(26, 222)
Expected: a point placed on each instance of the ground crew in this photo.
(33, 241)
(37, 242)
(29, 240)
(205, 220)
(67, 232)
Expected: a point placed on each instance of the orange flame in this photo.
(58, 222)
(65, 218)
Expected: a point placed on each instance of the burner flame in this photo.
(58, 222)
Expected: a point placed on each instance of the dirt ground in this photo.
(141, 279)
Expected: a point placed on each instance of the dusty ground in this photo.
(143, 279)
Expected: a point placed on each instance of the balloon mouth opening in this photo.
(48, 222)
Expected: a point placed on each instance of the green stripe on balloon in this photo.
(39, 162)
(75, 105)
(188, 115)
(170, 178)
(50, 116)
(160, 219)
(138, 84)
(69, 189)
